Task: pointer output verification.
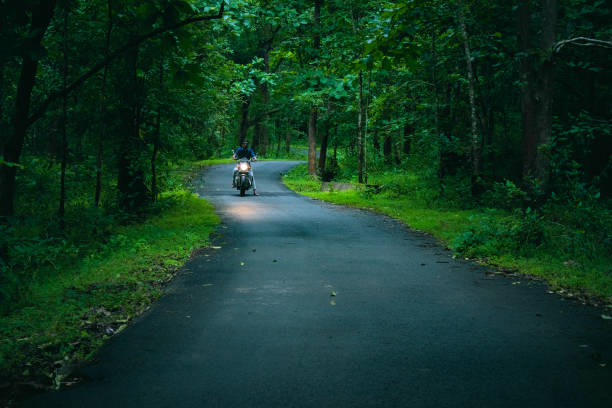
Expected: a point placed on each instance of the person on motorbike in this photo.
(244, 151)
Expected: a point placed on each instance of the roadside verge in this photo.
(494, 237)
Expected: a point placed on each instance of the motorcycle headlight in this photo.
(244, 166)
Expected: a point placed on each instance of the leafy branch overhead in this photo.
(114, 55)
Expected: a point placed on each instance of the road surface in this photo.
(308, 304)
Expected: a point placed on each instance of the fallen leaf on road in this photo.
(332, 293)
(606, 317)
(207, 284)
(603, 364)
(189, 317)
(241, 263)
(516, 283)
(333, 303)
(215, 247)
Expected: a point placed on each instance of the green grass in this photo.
(212, 162)
(570, 261)
(64, 318)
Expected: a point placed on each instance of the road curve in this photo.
(308, 304)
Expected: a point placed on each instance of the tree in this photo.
(41, 15)
(537, 76)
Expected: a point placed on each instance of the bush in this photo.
(505, 195)
(519, 234)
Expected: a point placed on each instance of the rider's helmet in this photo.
(245, 143)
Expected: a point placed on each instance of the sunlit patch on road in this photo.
(245, 211)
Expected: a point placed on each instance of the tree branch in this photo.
(582, 41)
(137, 41)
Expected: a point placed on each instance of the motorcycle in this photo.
(242, 177)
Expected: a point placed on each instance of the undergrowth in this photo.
(64, 294)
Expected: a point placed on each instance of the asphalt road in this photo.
(255, 323)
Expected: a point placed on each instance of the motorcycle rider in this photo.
(244, 151)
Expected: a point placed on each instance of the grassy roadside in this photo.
(514, 242)
(65, 317)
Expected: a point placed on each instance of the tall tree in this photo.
(475, 140)
(537, 76)
(312, 117)
(41, 14)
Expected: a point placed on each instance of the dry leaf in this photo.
(333, 303)
(215, 247)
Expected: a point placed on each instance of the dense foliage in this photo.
(496, 104)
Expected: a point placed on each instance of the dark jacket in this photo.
(244, 153)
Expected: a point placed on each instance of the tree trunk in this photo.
(387, 148)
(325, 139)
(157, 131)
(323, 150)
(527, 82)
(360, 129)
(434, 80)
(537, 75)
(288, 138)
(41, 16)
(277, 135)
(102, 110)
(263, 148)
(130, 175)
(475, 140)
(544, 92)
(312, 141)
(397, 147)
(365, 129)
(312, 118)
(64, 120)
